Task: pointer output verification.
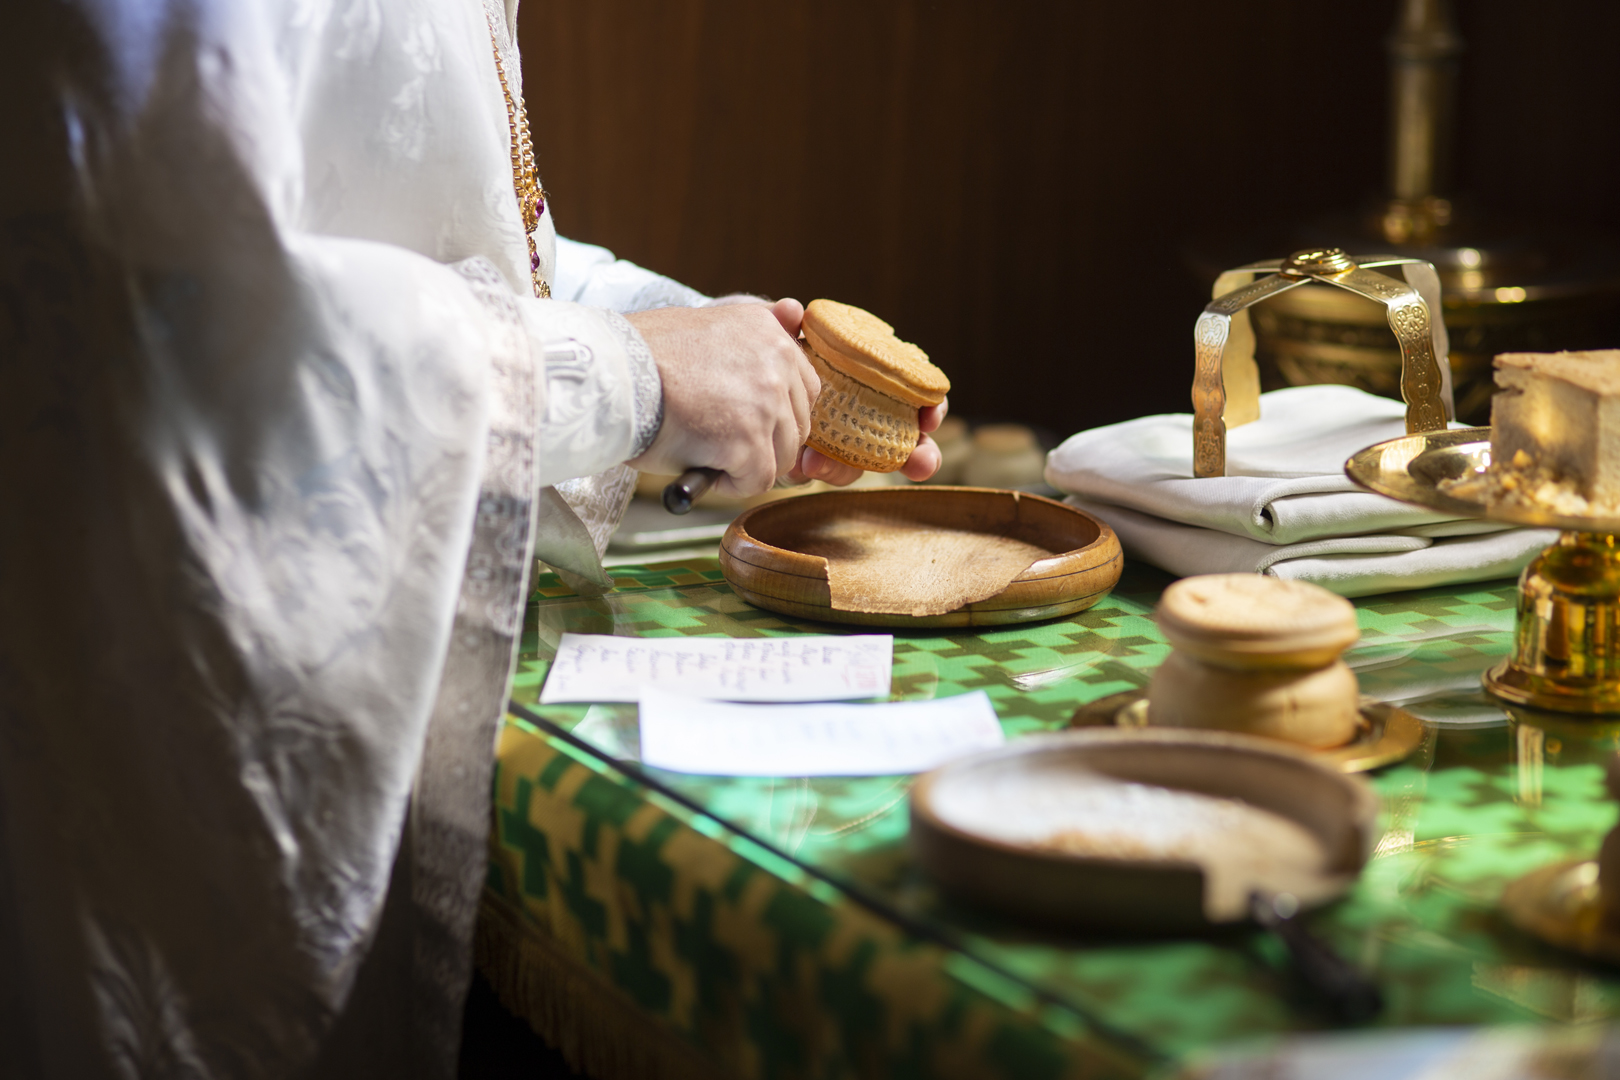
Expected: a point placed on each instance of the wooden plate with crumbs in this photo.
(1151, 830)
(921, 557)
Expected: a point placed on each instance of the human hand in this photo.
(923, 463)
(737, 392)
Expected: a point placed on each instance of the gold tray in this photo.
(1388, 733)
(1563, 660)
(1411, 468)
(1558, 903)
(775, 556)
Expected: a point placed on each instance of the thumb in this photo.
(790, 313)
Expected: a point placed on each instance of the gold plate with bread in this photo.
(1384, 735)
(1448, 471)
(921, 557)
(1261, 656)
(1551, 457)
(1560, 904)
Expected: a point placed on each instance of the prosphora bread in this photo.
(1317, 708)
(1556, 418)
(1252, 621)
(858, 425)
(1257, 654)
(872, 385)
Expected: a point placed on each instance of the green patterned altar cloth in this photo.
(778, 928)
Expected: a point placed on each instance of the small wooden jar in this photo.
(1257, 654)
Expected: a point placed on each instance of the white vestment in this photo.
(277, 407)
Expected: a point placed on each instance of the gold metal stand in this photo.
(1506, 289)
(1226, 382)
(1566, 646)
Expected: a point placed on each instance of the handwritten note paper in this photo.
(723, 739)
(600, 667)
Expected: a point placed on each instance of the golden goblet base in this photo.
(1566, 645)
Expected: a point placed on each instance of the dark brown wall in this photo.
(1020, 187)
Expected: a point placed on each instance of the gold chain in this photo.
(525, 181)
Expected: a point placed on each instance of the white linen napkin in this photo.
(1348, 565)
(1286, 508)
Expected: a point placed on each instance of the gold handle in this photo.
(1420, 333)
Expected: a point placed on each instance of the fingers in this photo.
(790, 313)
(786, 442)
(804, 386)
(752, 469)
(924, 461)
(799, 403)
(807, 383)
(814, 465)
(738, 393)
(930, 416)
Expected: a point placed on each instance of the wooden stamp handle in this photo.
(688, 488)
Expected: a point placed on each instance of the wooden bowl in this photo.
(1153, 830)
(768, 553)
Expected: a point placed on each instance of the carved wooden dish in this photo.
(794, 555)
(1154, 830)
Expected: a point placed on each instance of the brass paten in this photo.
(1560, 905)
(1226, 380)
(1566, 645)
(1387, 734)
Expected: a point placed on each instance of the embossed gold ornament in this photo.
(1226, 381)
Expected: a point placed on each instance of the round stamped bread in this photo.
(1315, 708)
(1253, 621)
(858, 425)
(863, 346)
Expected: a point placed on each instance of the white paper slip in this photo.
(601, 667)
(724, 739)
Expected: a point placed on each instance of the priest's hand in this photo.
(923, 463)
(737, 392)
(737, 398)
(814, 465)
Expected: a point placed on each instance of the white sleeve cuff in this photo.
(602, 397)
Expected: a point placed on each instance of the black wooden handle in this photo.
(688, 488)
(1346, 993)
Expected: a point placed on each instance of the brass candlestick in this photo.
(1566, 644)
(1423, 54)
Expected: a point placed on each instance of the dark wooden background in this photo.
(1025, 188)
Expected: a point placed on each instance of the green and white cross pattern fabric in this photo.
(777, 927)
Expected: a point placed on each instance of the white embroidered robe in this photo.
(276, 408)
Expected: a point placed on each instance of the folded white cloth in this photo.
(1348, 565)
(1287, 508)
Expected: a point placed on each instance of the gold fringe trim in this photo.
(598, 1030)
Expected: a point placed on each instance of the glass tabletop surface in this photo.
(1486, 797)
